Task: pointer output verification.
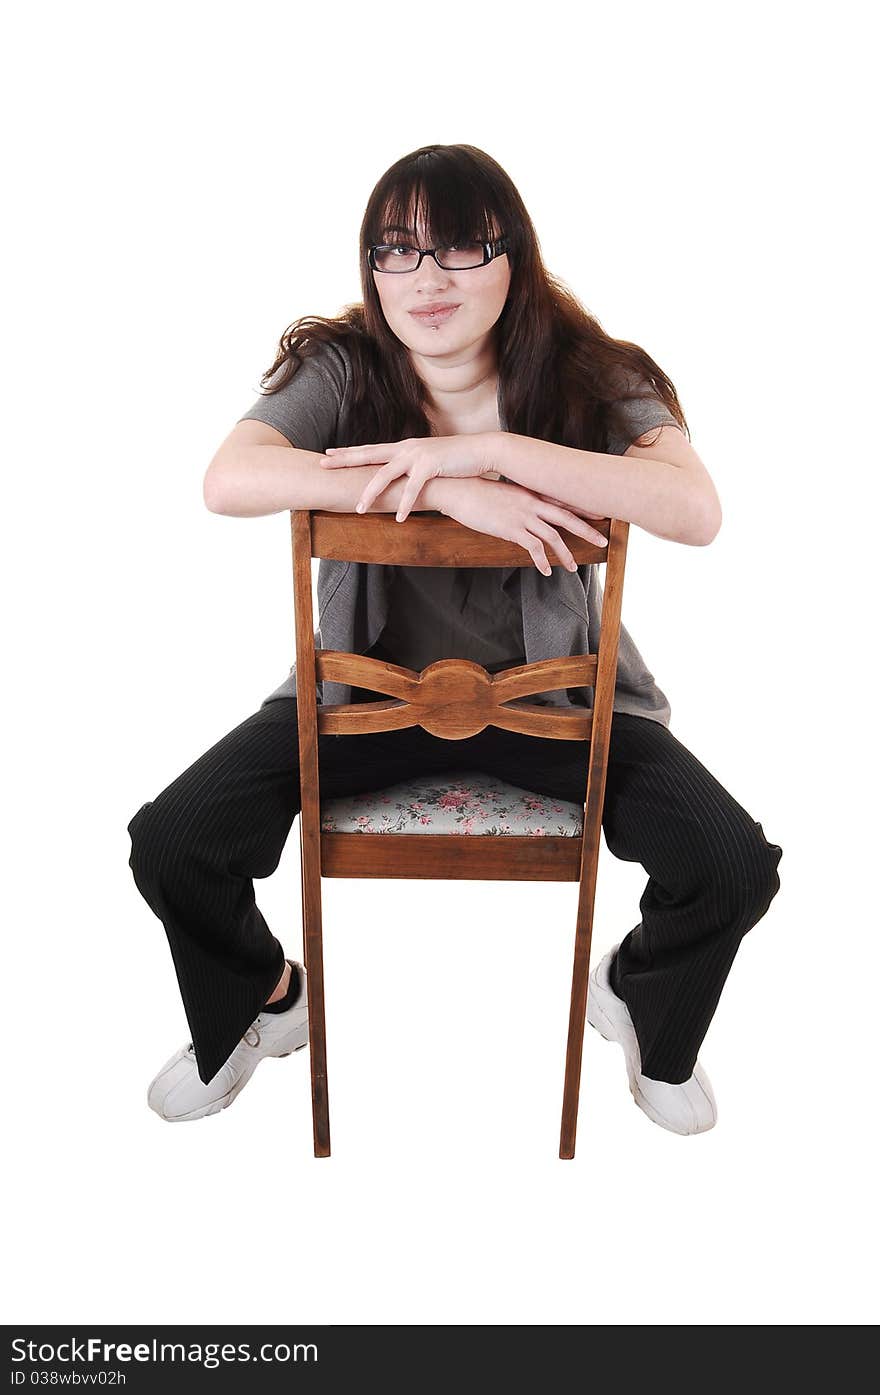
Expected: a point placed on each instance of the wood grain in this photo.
(453, 698)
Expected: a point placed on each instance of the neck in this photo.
(462, 385)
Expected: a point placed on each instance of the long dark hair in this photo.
(559, 372)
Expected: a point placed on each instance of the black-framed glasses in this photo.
(463, 256)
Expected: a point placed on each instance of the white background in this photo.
(186, 180)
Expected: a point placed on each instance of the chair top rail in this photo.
(426, 540)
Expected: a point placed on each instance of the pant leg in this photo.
(198, 845)
(712, 873)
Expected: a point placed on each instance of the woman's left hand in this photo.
(421, 458)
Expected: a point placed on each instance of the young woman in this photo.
(496, 399)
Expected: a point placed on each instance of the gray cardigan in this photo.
(560, 612)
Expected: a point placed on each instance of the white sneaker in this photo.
(177, 1093)
(686, 1108)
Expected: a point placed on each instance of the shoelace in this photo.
(252, 1028)
(190, 1050)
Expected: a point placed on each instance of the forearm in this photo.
(260, 480)
(347, 484)
(653, 494)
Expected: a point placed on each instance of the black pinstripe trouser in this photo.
(197, 847)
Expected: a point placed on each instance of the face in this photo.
(479, 293)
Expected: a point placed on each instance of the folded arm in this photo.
(664, 488)
(257, 471)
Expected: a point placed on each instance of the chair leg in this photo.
(580, 979)
(314, 960)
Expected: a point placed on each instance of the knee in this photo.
(148, 838)
(169, 840)
(135, 832)
(738, 873)
(767, 857)
(757, 881)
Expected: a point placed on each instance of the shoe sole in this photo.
(226, 1100)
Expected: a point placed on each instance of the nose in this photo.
(431, 274)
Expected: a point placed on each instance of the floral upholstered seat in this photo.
(456, 801)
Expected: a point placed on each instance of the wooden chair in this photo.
(452, 698)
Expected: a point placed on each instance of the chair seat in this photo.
(456, 801)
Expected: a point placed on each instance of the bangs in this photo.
(452, 207)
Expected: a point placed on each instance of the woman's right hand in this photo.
(517, 514)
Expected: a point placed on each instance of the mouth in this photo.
(436, 315)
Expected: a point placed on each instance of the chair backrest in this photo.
(452, 698)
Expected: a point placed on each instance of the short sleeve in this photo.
(307, 409)
(632, 416)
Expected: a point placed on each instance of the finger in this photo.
(380, 481)
(538, 555)
(548, 532)
(357, 455)
(383, 449)
(574, 524)
(407, 500)
(375, 445)
(333, 457)
(412, 490)
(570, 508)
(585, 531)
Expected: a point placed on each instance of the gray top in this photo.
(452, 612)
(497, 616)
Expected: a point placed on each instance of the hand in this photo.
(421, 458)
(510, 511)
(582, 513)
